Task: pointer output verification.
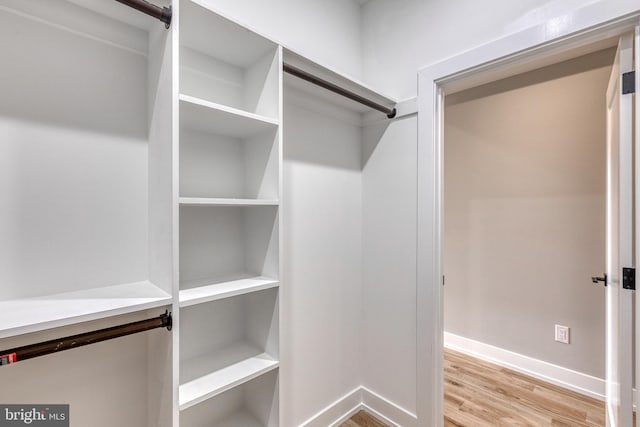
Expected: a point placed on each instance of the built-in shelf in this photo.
(204, 378)
(202, 201)
(209, 117)
(220, 241)
(230, 151)
(201, 291)
(22, 316)
(347, 82)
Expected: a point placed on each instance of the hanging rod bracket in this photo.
(8, 357)
(167, 14)
(167, 319)
(392, 114)
(163, 14)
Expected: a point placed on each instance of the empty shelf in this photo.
(212, 383)
(21, 316)
(335, 77)
(201, 201)
(215, 291)
(209, 117)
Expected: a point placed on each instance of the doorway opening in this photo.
(523, 231)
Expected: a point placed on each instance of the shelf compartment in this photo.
(200, 201)
(222, 241)
(252, 404)
(201, 291)
(21, 316)
(227, 342)
(243, 74)
(226, 155)
(226, 378)
(209, 117)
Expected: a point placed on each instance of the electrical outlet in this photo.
(562, 334)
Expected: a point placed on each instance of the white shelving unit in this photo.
(229, 195)
(144, 173)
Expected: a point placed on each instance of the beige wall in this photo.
(525, 212)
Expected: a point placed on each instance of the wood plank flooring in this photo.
(363, 419)
(480, 394)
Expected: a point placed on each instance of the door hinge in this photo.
(629, 278)
(629, 82)
(443, 280)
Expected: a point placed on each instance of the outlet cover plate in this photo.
(562, 334)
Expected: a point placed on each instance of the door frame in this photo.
(571, 35)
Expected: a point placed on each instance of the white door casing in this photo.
(619, 250)
(637, 197)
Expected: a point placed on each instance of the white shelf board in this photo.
(239, 419)
(209, 117)
(22, 316)
(201, 201)
(206, 378)
(337, 78)
(215, 291)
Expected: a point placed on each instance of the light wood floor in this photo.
(480, 394)
(363, 419)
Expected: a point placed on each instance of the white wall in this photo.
(389, 261)
(400, 37)
(322, 254)
(524, 197)
(327, 31)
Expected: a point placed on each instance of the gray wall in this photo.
(525, 212)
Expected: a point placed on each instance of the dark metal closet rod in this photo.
(390, 112)
(161, 13)
(55, 346)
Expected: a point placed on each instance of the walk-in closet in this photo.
(195, 175)
(233, 213)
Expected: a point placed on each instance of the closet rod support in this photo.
(301, 74)
(31, 351)
(162, 13)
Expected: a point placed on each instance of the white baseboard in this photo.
(573, 380)
(362, 398)
(386, 410)
(338, 411)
